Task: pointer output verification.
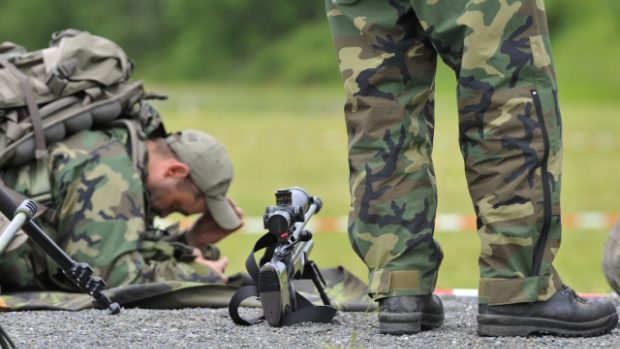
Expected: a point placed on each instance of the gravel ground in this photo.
(212, 328)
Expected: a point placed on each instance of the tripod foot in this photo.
(114, 308)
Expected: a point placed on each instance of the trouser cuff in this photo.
(495, 291)
(387, 283)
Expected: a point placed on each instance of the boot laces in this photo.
(573, 294)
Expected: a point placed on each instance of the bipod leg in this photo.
(79, 273)
(5, 340)
(311, 271)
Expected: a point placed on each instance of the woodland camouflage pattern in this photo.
(110, 229)
(100, 217)
(509, 133)
(346, 292)
(611, 258)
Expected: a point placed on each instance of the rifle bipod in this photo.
(80, 274)
(5, 341)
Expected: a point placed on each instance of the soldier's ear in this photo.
(177, 169)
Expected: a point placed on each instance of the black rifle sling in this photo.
(242, 294)
(267, 241)
(306, 312)
(246, 292)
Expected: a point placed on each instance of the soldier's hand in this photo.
(217, 266)
(205, 229)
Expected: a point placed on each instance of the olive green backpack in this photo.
(81, 81)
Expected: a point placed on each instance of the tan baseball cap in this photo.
(210, 169)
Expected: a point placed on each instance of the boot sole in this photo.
(408, 323)
(513, 326)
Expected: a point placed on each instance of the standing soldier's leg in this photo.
(388, 68)
(510, 134)
(611, 258)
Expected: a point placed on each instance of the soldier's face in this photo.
(171, 196)
(170, 189)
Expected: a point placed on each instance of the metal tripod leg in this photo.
(79, 273)
(24, 213)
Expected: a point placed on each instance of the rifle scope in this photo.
(293, 205)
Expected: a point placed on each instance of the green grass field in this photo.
(282, 136)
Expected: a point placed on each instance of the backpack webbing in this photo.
(80, 82)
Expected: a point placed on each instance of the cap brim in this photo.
(223, 213)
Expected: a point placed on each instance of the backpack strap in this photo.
(136, 138)
(33, 109)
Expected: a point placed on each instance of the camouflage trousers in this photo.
(509, 135)
(611, 258)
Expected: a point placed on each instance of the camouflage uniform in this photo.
(611, 258)
(100, 217)
(510, 139)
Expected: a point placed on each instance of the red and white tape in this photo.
(449, 223)
(471, 292)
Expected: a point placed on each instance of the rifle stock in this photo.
(275, 280)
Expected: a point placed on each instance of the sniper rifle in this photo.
(288, 245)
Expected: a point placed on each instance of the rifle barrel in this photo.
(300, 225)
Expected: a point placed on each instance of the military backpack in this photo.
(81, 81)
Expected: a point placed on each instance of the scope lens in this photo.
(278, 223)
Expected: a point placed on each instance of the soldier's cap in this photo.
(210, 169)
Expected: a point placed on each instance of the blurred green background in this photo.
(263, 78)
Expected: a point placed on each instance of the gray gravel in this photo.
(212, 328)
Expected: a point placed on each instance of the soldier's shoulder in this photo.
(86, 146)
(91, 139)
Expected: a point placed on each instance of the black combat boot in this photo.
(409, 314)
(565, 314)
